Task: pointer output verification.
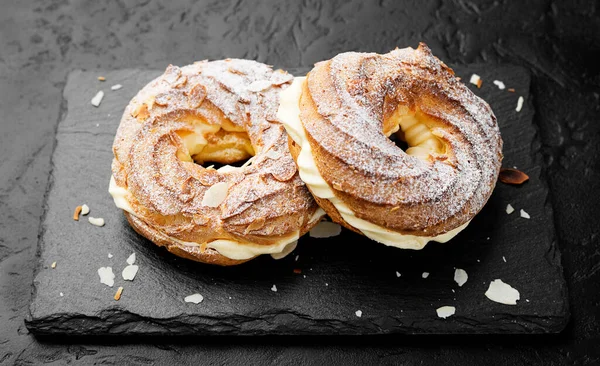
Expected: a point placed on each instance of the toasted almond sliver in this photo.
(512, 176)
(215, 195)
(101, 78)
(118, 294)
(76, 213)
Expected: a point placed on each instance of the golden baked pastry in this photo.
(340, 117)
(211, 112)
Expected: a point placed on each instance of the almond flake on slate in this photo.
(504, 259)
(61, 294)
(85, 209)
(445, 311)
(215, 195)
(195, 298)
(274, 288)
(129, 272)
(118, 294)
(107, 276)
(475, 79)
(96, 221)
(425, 274)
(97, 99)
(502, 293)
(519, 104)
(499, 84)
(325, 229)
(358, 313)
(509, 209)
(76, 213)
(116, 87)
(53, 265)
(398, 274)
(460, 276)
(512, 176)
(131, 259)
(525, 215)
(110, 255)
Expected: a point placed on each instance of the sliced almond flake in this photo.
(475, 79)
(274, 288)
(296, 259)
(131, 259)
(398, 274)
(524, 214)
(504, 259)
(519, 104)
(118, 294)
(445, 311)
(425, 274)
(325, 229)
(499, 84)
(215, 195)
(509, 209)
(116, 87)
(129, 272)
(259, 85)
(358, 313)
(110, 255)
(96, 221)
(502, 293)
(107, 276)
(286, 250)
(85, 209)
(460, 276)
(53, 265)
(61, 294)
(194, 298)
(97, 99)
(272, 154)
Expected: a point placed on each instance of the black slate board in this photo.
(338, 276)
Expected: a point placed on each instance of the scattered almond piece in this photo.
(524, 214)
(97, 99)
(215, 195)
(85, 209)
(131, 259)
(509, 209)
(274, 288)
(101, 78)
(504, 259)
(76, 213)
(519, 104)
(96, 221)
(460, 276)
(129, 272)
(398, 274)
(512, 176)
(425, 274)
(502, 293)
(499, 84)
(511, 90)
(118, 294)
(107, 276)
(116, 87)
(53, 265)
(110, 255)
(61, 294)
(325, 229)
(358, 313)
(475, 80)
(194, 298)
(297, 270)
(479, 82)
(445, 311)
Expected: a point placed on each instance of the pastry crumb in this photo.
(274, 288)
(118, 294)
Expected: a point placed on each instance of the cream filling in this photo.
(227, 248)
(289, 115)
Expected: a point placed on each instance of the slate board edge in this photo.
(134, 324)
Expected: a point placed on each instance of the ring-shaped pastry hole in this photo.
(412, 132)
(214, 146)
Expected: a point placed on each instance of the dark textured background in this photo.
(40, 42)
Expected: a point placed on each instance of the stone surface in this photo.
(338, 276)
(42, 41)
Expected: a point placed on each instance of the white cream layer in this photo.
(289, 115)
(228, 248)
